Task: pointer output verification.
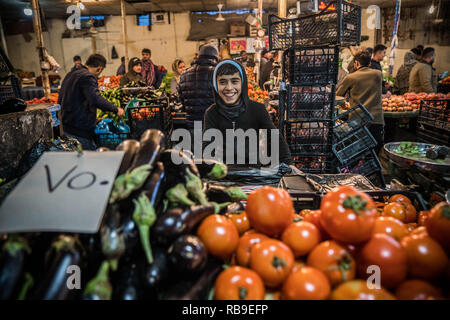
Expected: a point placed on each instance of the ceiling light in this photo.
(431, 10)
(27, 10)
(220, 17)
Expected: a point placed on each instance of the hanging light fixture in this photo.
(431, 9)
(27, 10)
(220, 17)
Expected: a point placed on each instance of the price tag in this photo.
(106, 80)
(63, 192)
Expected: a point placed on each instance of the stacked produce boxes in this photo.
(433, 124)
(310, 69)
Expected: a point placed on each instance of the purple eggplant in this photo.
(151, 144)
(188, 255)
(130, 147)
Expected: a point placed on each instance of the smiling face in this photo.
(137, 68)
(229, 88)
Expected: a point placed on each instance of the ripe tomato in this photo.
(306, 283)
(334, 261)
(358, 290)
(304, 212)
(386, 253)
(270, 210)
(237, 283)
(272, 260)
(348, 215)
(219, 235)
(420, 232)
(411, 213)
(422, 217)
(390, 226)
(426, 258)
(298, 264)
(296, 218)
(411, 226)
(418, 290)
(313, 216)
(395, 210)
(246, 242)
(240, 220)
(399, 198)
(301, 237)
(438, 224)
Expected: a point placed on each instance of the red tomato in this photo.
(219, 235)
(237, 283)
(334, 261)
(301, 237)
(422, 217)
(426, 258)
(270, 210)
(272, 260)
(246, 242)
(306, 283)
(399, 198)
(358, 290)
(438, 224)
(386, 253)
(240, 220)
(395, 210)
(391, 226)
(348, 215)
(313, 216)
(418, 290)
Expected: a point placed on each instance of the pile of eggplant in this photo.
(146, 246)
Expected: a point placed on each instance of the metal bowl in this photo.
(419, 160)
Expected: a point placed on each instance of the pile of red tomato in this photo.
(256, 94)
(275, 253)
(53, 99)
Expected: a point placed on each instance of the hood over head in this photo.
(175, 65)
(410, 58)
(244, 89)
(208, 51)
(134, 62)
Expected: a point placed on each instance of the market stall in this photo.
(141, 220)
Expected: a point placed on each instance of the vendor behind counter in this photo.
(134, 72)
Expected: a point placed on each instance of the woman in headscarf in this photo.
(178, 68)
(402, 78)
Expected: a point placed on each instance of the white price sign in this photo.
(63, 192)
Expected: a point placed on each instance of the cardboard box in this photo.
(237, 29)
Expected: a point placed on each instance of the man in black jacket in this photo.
(233, 110)
(379, 52)
(196, 85)
(79, 98)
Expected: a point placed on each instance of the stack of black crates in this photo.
(320, 140)
(9, 83)
(433, 123)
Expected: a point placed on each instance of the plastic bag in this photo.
(108, 126)
(256, 176)
(32, 156)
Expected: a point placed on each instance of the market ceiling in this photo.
(13, 9)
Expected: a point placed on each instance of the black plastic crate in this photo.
(310, 102)
(315, 65)
(353, 145)
(366, 164)
(337, 24)
(10, 89)
(355, 118)
(314, 164)
(110, 140)
(435, 113)
(309, 138)
(305, 200)
(432, 135)
(143, 118)
(5, 66)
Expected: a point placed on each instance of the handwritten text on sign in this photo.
(62, 193)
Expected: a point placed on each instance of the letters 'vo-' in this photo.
(63, 192)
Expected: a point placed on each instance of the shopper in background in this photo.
(234, 110)
(417, 53)
(150, 72)
(402, 78)
(364, 87)
(243, 58)
(79, 98)
(178, 68)
(121, 70)
(196, 87)
(266, 66)
(379, 52)
(266, 71)
(77, 63)
(370, 51)
(134, 72)
(195, 59)
(423, 77)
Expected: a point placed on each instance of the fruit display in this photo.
(168, 234)
(256, 94)
(446, 80)
(250, 71)
(109, 82)
(327, 253)
(399, 104)
(53, 99)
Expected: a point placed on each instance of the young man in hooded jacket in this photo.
(234, 110)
